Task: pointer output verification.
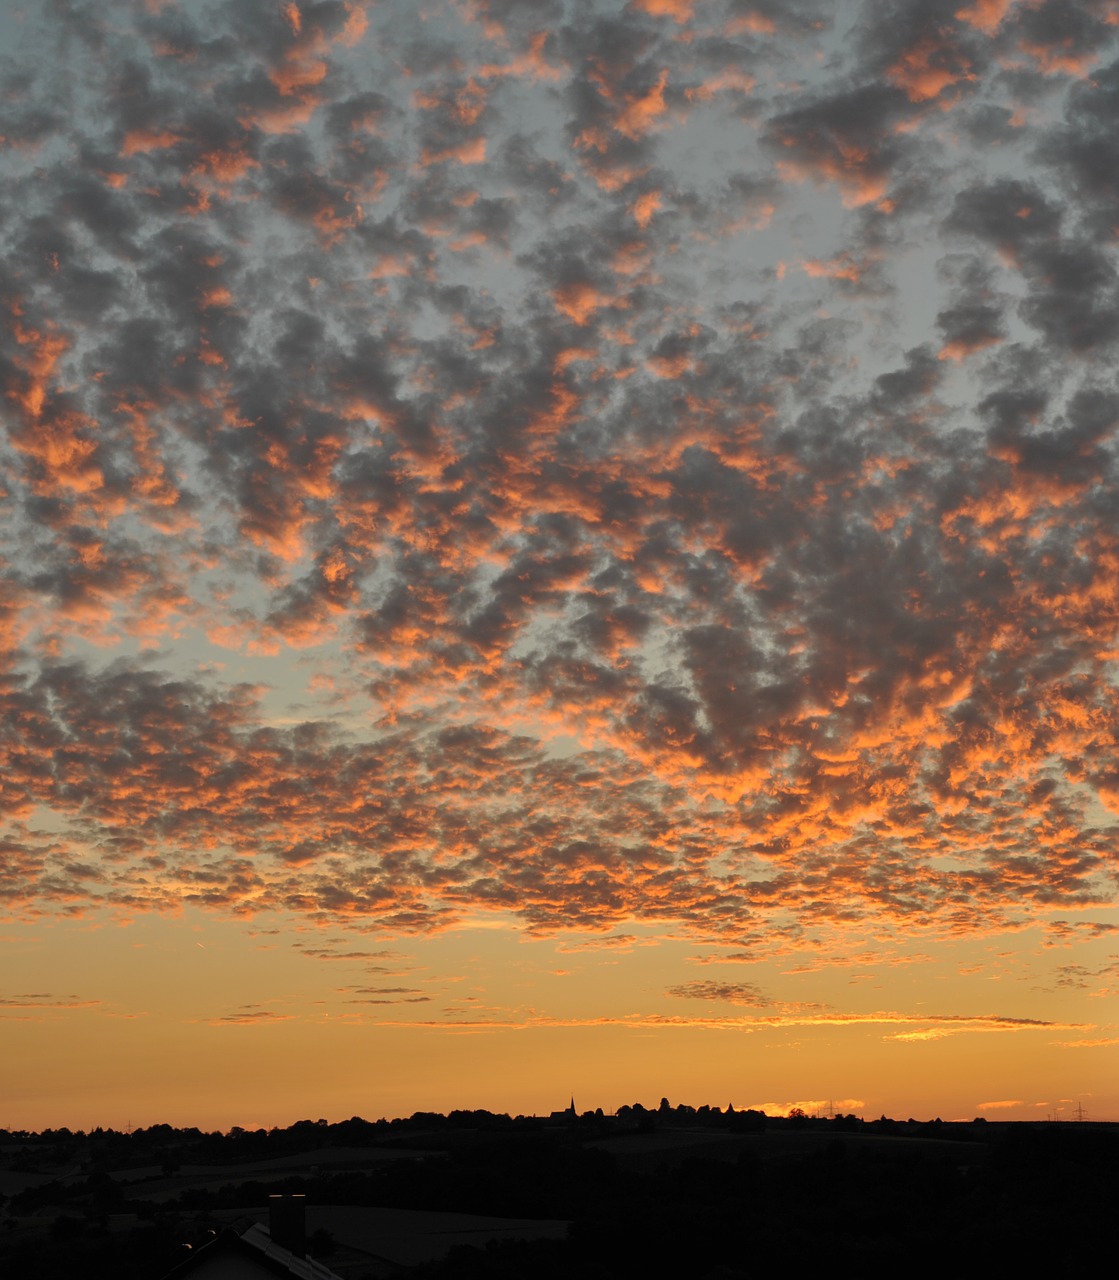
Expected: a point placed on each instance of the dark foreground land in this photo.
(676, 1191)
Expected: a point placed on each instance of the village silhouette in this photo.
(706, 1192)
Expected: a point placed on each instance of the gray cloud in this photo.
(622, 535)
(725, 992)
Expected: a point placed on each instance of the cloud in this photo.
(930, 1027)
(1062, 39)
(843, 138)
(610, 942)
(726, 992)
(386, 995)
(250, 1015)
(1064, 932)
(1100, 979)
(46, 1001)
(986, 15)
(572, 562)
(325, 954)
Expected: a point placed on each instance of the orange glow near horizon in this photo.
(194, 1016)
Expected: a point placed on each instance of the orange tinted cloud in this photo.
(472, 151)
(1061, 58)
(225, 166)
(985, 15)
(640, 112)
(580, 300)
(532, 63)
(293, 76)
(645, 206)
(842, 267)
(961, 348)
(731, 79)
(355, 26)
(859, 185)
(680, 11)
(752, 22)
(141, 141)
(598, 583)
(927, 69)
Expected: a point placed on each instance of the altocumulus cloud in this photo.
(613, 546)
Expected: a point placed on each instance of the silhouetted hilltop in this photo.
(672, 1188)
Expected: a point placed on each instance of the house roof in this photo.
(249, 1255)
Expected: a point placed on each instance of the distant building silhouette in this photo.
(568, 1113)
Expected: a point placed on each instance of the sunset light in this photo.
(558, 547)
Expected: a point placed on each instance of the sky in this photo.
(558, 548)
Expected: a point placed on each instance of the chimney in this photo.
(287, 1223)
